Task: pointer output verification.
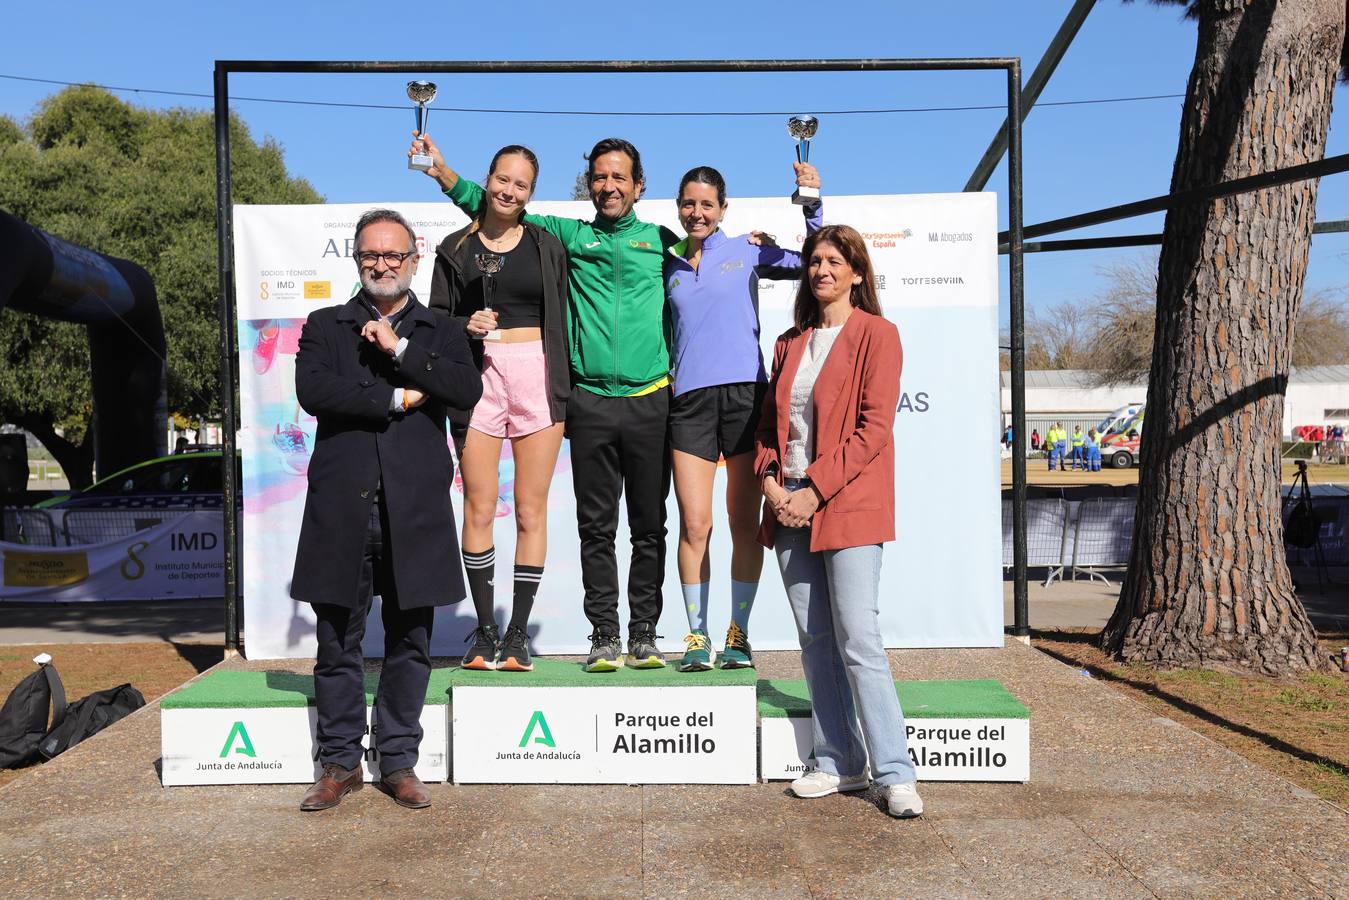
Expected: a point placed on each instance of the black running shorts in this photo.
(717, 421)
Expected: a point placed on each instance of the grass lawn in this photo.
(154, 669)
(1037, 472)
(1297, 727)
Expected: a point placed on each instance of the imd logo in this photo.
(545, 735)
(245, 747)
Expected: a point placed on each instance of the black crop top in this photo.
(518, 299)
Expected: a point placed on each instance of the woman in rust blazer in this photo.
(825, 456)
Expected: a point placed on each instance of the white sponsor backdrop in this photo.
(936, 259)
(175, 556)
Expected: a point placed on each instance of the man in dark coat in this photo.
(379, 373)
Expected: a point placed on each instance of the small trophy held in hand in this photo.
(421, 93)
(803, 128)
(489, 264)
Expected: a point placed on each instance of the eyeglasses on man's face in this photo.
(393, 259)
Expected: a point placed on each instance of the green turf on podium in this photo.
(977, 699)
(571, 673)
(229, 688)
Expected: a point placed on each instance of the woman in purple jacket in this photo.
(719, 380)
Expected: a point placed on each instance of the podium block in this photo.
(957, 730)
(561, 724)
(238, 727)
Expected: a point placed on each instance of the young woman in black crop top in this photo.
(520, 324)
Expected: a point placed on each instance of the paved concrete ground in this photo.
(1088, 602)
(1121, 804)
(179, 621)
(1065, 603)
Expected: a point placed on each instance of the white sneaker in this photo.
(817, 783)
(902, 800)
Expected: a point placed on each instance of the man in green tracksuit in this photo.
(617, 421)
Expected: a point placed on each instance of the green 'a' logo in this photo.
(245, 744)
(545, 735)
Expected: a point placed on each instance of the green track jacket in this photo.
(618, 331)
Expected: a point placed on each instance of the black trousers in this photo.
(339, 672)
(621, 445)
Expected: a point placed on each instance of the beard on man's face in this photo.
(387, 285)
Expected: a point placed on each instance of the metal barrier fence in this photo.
(1086, 535)
(28, 526)
(1104, 535)
(1046, 535)
(1062, 534)
(94, 526)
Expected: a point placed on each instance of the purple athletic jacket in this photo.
(715, 310)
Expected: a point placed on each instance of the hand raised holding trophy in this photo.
(803, 128)
(421, 93)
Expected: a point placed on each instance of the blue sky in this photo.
(1077, 158)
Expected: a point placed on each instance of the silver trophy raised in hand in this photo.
(802, 129)
(421, 93)
(489, 264)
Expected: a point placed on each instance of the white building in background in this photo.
(1317, 395)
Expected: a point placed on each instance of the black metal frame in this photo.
(225, 239)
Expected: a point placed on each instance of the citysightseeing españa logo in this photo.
(545, 734)
(245, 743)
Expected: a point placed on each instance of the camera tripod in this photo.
(1302, 528)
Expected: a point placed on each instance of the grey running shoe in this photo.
(642, 652)
(606, 653)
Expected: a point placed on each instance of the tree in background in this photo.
(1208, 582)
(1060, 337)
(134, 183)
(581, 189)
(1120, 345)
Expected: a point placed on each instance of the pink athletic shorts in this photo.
(514, 390)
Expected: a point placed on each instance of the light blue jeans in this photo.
(834, 597)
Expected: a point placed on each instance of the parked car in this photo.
(1121, 451)
(189, 480)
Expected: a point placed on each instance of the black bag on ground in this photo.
(24, 719)
(90, 715)
(1303, 527)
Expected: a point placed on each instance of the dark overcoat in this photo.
(348, 384)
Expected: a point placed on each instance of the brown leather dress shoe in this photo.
(406, 789)
(328, 791)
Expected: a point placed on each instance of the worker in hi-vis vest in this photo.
(1079, 448)
(1056, 439)
(1093, 451)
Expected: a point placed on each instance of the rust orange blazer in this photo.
(855, 399)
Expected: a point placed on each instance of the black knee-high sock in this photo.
(481, 569)
(526, 586)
